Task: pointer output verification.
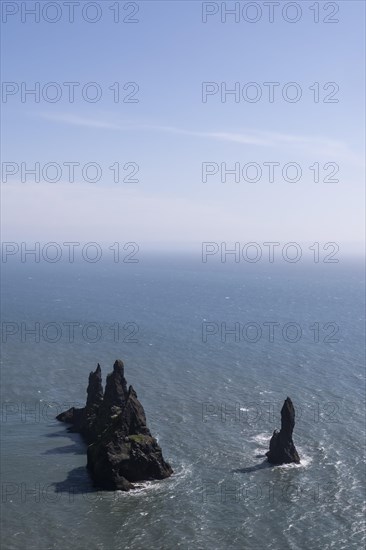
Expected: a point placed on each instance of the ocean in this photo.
(212, 351)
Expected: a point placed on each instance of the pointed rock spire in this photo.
(281, 447)
(115, 394)
(287, 416)
(95, 388)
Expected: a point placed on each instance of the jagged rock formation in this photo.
(83, 420)
(121, 448)
(281, 447)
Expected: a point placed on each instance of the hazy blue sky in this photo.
(170, 132)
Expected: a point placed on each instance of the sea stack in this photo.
(121, 449)
(281, 447)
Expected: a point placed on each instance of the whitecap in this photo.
(305, 460)
(262, 438)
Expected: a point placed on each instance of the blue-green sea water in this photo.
(212, 398)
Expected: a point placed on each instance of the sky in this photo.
(175, 135)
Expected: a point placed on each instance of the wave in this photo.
(183, 471)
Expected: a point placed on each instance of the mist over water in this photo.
(197, 345)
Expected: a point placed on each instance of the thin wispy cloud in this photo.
(74, 120)
(310, 145)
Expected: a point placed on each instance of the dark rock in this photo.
(115, 394)
(84, 420)
(121, 448)
(114, 398)
(281, 447)
(95, 388)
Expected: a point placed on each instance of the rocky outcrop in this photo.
(281, 447)
(121, 448)
(84, 420)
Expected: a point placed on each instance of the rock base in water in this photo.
(281, 447)
(121, 449)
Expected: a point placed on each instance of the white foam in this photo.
(262, 438)
(305, 460)
(139, 488)
(156, 485)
